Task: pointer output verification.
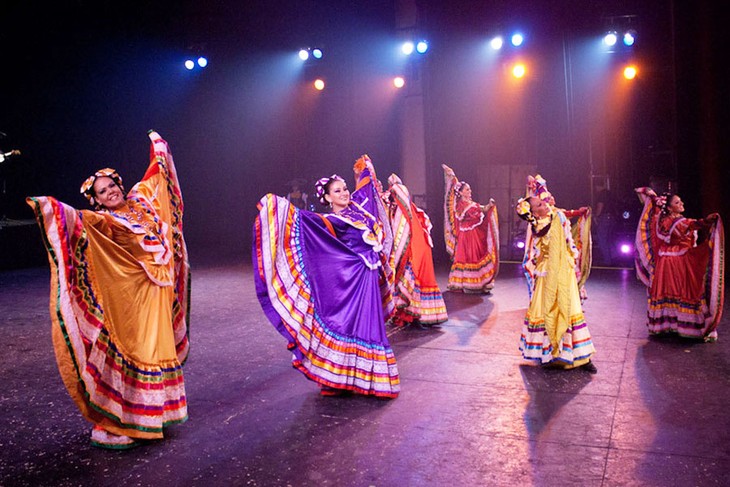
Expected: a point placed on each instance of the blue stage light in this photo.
(629, 38)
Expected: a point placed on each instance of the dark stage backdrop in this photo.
(84, 81)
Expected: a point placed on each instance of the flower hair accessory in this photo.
(458, 187)
(361, 164)
(321, 187)
(663, 201)
(537, 186)
(524, 210)
(87, 188)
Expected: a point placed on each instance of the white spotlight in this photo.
(317, 53)
(189, 64)
(303, 54)
(497, 43)
(422, 47)
(610, 39)
(202, 61)
(517, 39)
(408, 48)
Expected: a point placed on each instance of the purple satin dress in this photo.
(318, 279)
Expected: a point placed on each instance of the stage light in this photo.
(202, 61)
(496, 43)
(422, 47)
(630, 72)
(626, 215)
(317, 53)
(319, 84)
(625, 248)
(399, 82)
(520, 244)
(189, 64)
(619, 33)
(629, 38)
(303, 54)
(407, 48)
(517, 39)
(610, 38)
(519, 70)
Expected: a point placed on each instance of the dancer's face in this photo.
(676, 205)
(108, 194)
(466, 192)
(538, 207)
(338, 195)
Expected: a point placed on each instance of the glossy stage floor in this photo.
(471, 411)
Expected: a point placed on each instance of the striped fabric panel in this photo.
(432, 306)
(581, 233)
(644, 260)
(715, 285)
(418, 303)
(472, 276)
(450, 223)
(161, 156)
(576, 343)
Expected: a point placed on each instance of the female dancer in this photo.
(683, 275)
(554, 331)
(416, 293)
(472, 237)
(580, 224)
(320, 280)
(119, 300)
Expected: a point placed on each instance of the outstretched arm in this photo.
(582, 211)
(488, 206)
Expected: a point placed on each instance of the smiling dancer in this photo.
(119, 300)
(318, 279)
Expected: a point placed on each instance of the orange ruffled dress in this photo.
(416, 293)
(119, 303)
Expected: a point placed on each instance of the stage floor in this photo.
(471, 411)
